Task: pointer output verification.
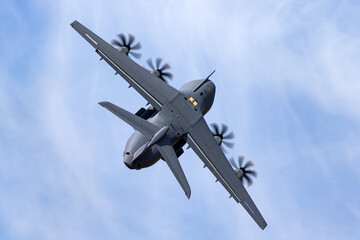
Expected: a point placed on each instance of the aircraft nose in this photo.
(212, 87)
(128, 160)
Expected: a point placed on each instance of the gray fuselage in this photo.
(200, 96)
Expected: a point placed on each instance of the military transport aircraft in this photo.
(175, 117)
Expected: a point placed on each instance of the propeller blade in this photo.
(131, 39)
(162, 78)
(249, 181)
(240, 160)
(158, 61)
(116, 43)
(229, 136)
(136, 46)
(160, 70)
(251, 173)
(242, 181)
(216, 128)
(242, 171)
(122, 38)
(135, 55)
(169, 75)
(248, 164)
(165, 67)
(228, 144)
(150, 64)
(224, 129)
(232, 162)
(223, 149)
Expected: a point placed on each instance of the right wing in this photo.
(202, 141)
(154, 90)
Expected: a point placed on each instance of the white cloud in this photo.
(68, 180)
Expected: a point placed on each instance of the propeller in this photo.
(159, 70)
(222, 135)
(242, 171)
(127, 46)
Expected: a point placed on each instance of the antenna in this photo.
(210, 75)
(202, 82)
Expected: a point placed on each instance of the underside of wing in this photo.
(201, 140)
(153, 89)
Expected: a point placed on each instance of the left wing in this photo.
(201, 140)
(154, 90)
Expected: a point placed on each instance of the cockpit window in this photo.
(194, 102)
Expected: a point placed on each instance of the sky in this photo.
(288, 85)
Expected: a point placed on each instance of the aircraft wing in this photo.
(153, 89)
(202, 141)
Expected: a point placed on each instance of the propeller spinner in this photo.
(222, 135)
(242, 171)
(127, 46)
(159, 70)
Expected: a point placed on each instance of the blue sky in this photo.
(287, 84)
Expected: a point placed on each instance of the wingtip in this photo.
(103, 104)
(188, 192)
(264, 226)
(75, 22)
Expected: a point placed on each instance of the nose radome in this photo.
(212, 86)
(128, 160)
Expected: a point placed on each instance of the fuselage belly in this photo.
(197, 96)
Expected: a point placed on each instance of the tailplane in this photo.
(158, 137)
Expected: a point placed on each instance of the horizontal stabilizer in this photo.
(146, 128)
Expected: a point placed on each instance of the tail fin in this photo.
(158, 137)
(169, 155)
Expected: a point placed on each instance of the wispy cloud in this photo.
(287, 84)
